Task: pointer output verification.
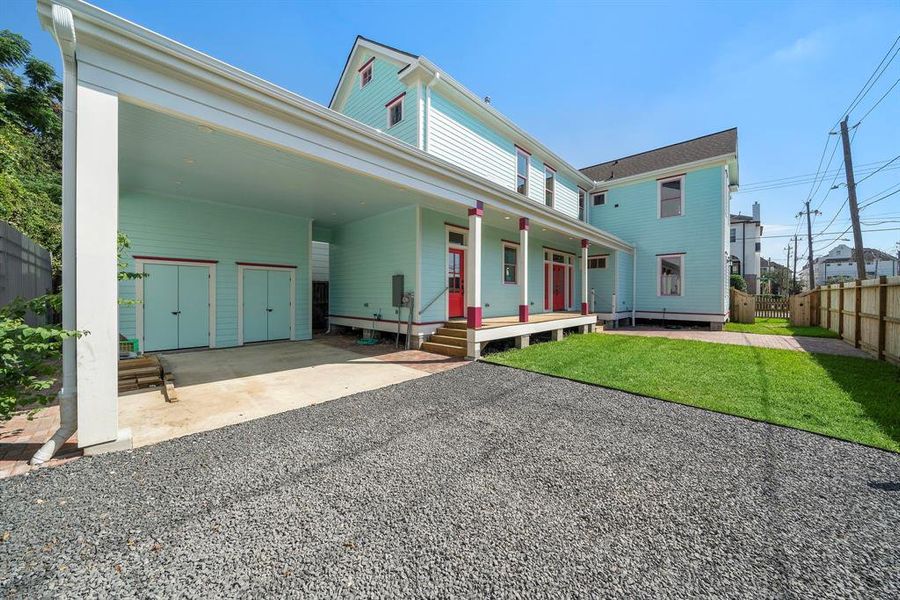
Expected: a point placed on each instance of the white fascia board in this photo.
(130, 46)
(600, 186)
(519, 136)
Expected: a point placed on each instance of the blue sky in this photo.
(600, 81)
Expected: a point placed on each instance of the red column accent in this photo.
(478, 211)
(523, 223)
(585, 243)
(584, 308)
(523, 313)
(473, 317)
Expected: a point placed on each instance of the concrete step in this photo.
(449, 340)
(443, 349)
(451, 332)
(455, 324)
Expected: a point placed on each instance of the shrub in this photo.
(738, 282)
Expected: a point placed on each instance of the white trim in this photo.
(499, 333)
(600, 193)
(371, 72)
(552, 204)
(683, 207)
(682, 278)
(387, 326)
(417, 290)
(394, 103)
(139, 294)
(293, 297)
(420, 117)
(679, 316)
(722, 159)
(605, 258)
(309, 282)
(503, 246)
(520, 152)
(465, 248)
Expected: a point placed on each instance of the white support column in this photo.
(473, 268)
(585, 244)
(523, 279)
(96, 285)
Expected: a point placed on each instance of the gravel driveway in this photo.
(479, 481)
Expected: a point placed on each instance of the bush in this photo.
(738, 282)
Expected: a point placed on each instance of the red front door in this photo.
(456, 298)
(559, 287)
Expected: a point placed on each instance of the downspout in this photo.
(64, 34)
(633, 285)
(427, 133)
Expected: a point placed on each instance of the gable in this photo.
(363, 50)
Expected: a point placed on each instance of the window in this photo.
(596, 262)
(395, 110)
(522, 171)
(581, 213)
(758, 246)
(736, 266)
(456, 237)
(365, 75)
(733, 234)
(510, 263)
(549, 185)
(598, 199)
(670, 197)
(671, 273)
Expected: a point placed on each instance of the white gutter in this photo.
(599, 186)
(64, 31)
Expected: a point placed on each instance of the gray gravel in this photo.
(481, 481)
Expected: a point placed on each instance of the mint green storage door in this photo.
(255, 310)
(193, 306)
(160, 307)
(279, 323)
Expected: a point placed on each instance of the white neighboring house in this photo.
(839, 263)
(746, 238)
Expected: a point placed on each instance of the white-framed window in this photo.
(365, 74)
(598, 199)
(671, 197)
(510, 263)
(758, 246)
(597, 262)
(549, 185)
(522, 160)
(582, 214)
(670, 270)
(456, 236)
(733, 234)
(395, 110)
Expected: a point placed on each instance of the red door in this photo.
(559, 287)
(456, 300)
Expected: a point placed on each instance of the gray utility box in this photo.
(397, 291)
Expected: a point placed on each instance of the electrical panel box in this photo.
(397, 290)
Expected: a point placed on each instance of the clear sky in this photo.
(597, 81)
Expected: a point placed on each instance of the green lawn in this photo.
(854, 399)
(772, 326)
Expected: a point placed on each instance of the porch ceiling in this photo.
(162, 154)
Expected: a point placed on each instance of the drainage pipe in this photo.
(633, 284)
(64, 33)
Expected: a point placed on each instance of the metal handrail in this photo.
(427, 306)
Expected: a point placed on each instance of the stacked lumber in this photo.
(145, 372)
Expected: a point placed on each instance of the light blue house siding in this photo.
(631, 213)
(179, 228)
(364, 256)
(497, 298)
(463, 139)
(367, 105)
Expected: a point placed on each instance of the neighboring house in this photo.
(840, 265)
(745, 236)
(773, 276)
(224, 182)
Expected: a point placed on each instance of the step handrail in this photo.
(427, 306)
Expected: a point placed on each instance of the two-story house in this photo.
(840, 265)
(745, 236)
(444, 220)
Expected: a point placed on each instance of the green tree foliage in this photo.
(738, 282)
(30, 144)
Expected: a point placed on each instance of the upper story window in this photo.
(522, 159)
(671, 197)
(671, 274)
(758, 246)
(733, 234)
(510, 263)
(395, 110)
(596, 262)
(365, 73)
(549, 185)
(581, 212)
(598, 199)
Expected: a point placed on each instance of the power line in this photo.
(872, 80)
(879, 101)
(759, 187)
(878, 169)
(879, 199)
(817, 234)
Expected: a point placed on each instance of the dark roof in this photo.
(747, 218)
(766, 264)
(707, 146)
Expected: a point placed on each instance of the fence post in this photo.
(882, 315)
(857, 335)
(828, 306)
(841, 309)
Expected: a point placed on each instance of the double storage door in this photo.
(267, 305)
(176, 306)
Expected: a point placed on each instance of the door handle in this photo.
(268, 310)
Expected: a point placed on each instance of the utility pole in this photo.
(812, 275)
(854, 209)
(794, 275)
(786, 263)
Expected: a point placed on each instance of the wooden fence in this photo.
(776, 307)
(743, 307)
(864, 313)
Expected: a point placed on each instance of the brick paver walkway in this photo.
(783, 342)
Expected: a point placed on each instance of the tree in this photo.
(738, 282)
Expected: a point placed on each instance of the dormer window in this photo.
(549, 185)
(395, 110)
(365, 73)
